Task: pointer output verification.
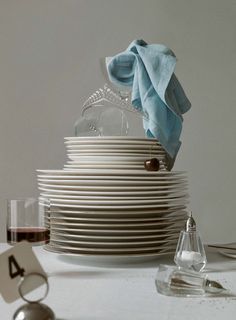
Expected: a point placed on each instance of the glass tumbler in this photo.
(26, 221)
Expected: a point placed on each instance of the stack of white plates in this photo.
(113, 152)
(119, 214)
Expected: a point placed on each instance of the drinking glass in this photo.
(26, 220)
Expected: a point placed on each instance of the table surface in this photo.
(80, 292)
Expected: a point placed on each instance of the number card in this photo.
(15, 264)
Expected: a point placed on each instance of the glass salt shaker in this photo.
(190, 252)
(178, 282)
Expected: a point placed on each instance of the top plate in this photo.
(117, 140)
(122, 138)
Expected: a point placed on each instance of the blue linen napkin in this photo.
(149, 70)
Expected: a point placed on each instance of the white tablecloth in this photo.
(125, 293)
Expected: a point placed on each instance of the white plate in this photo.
(70, 166)
(109, 232)
(130, 184)
(116, 197)
(115, 194)
(120, 207)
(119, 213)
(106, 207)
(104, 160)
(108, 182)
(111, 217)
(123, 176)
(137, 167)
(121, 159)
(59, 216)
(106, 260)
(228, 253)
(109, 158)
(114, 139)
(111, 145)
(109, 187)
(118, 179)
(63, 220)
(99, 190)
(76, 183)
(91, 161)
(107, 250)
(107, 144)
(126, 247)
(109, 260)
(75, 234)
(115, 149)
(113, 246)
(110, 172)
(152, 225)
(110, 227)
(119, 202)
(112, 238)
(113, 154)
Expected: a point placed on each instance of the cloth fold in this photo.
(149, 70)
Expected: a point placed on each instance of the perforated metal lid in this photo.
(190, 223)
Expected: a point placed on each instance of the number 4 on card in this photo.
(14, 268)
(15, 264)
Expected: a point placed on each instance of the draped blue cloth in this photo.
(149, 70)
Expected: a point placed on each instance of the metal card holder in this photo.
(33, 309)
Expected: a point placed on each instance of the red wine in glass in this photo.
(30, 234)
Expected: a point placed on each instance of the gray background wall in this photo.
(49, 64)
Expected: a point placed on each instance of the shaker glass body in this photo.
(190, 252)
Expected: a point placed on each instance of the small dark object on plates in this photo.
(152, 164)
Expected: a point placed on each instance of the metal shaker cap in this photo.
(190, 223)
